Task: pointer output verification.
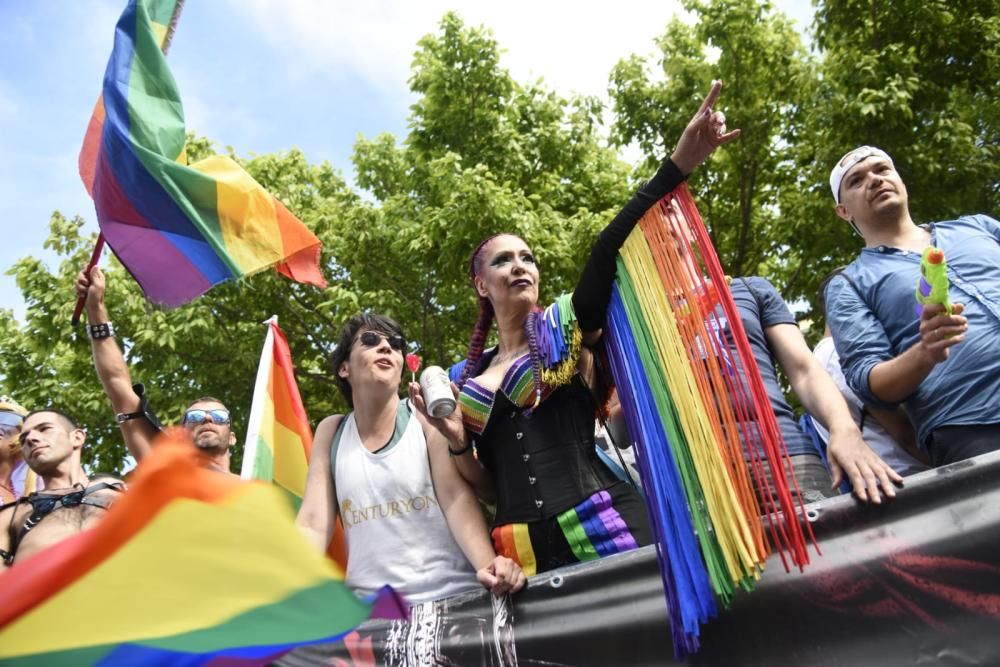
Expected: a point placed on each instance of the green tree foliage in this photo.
(917, 79)
(209, 347)
(761, 60)
(485, 154)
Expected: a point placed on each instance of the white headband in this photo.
(850, 159)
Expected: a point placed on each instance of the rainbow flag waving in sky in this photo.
(279, 440)
(189, 567)
(179, 229)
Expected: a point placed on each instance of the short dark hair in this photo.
(362, 322)
(821, 292)
(66, 420)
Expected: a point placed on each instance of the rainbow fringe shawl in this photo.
(686, 408)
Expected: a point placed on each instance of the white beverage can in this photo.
(436, 390)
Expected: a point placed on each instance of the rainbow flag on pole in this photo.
(190, 567)
(279, 440)
(179, 229)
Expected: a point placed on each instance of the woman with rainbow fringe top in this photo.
(528, 405)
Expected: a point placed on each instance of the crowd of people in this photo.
(889, 391)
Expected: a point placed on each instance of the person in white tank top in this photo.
(410, 519)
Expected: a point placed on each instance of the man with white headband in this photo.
(943, 369)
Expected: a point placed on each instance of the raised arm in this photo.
(465, 519)
(319, 503)
(705, 133)
(138, 432)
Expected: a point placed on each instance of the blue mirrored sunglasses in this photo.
(216, 416)
(10, 418)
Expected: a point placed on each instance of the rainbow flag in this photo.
(179, 229)
(279, 440)
(190, 567)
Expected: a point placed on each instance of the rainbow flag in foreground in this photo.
(179, 229)
(190, 567)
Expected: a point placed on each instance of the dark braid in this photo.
(479, 334)
(530, 329)
(481, 329)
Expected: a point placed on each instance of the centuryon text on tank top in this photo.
(352, 516)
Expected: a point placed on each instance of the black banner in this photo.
(912, 582)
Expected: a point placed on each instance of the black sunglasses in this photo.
(374, 339)
(44, 504)
(216, 416)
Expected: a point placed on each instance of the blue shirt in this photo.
(761, 307)
(874, 317)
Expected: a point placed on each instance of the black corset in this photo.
(543, 463)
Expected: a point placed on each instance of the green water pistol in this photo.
(933, 285)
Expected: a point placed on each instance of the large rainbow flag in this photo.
(179, 229)
(190, 567)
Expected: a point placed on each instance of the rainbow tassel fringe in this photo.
(687, 408)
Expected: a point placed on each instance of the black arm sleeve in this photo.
(593, 291)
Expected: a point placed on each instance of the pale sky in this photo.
(266, 75)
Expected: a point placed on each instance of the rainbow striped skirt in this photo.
(609, 522)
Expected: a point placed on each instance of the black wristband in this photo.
(122, 417)
(101, 330)
(143, 413)
(460, 451)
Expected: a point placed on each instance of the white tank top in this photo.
(395, 530)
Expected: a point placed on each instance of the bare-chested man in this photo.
(51, 444)
(207, 419)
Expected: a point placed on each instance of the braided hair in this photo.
(484, 322)
(531, 330)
